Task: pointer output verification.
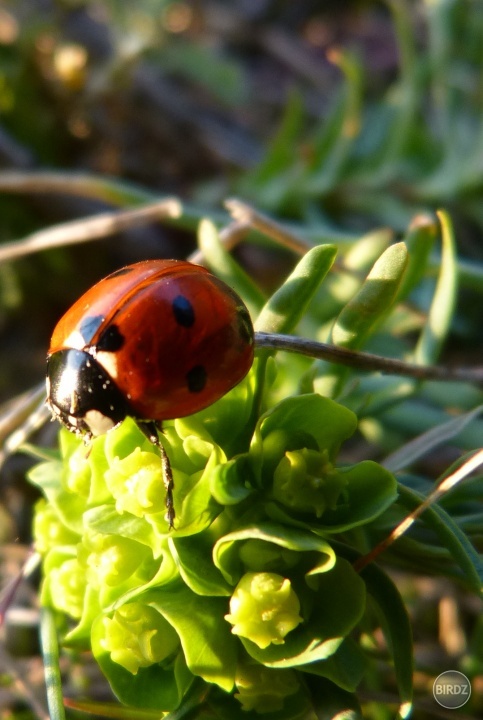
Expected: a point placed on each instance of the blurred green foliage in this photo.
(371, 111)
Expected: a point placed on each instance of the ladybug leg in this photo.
(150, 429)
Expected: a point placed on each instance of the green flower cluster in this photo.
(247, 593)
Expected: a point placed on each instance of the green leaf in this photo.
(79, 636)
(196, 508)
(50, 654)
(442, 308)
(282, 151)
(69, 506)
(107, 520)
(370, 490)
(123, 440)
(396, 627)
(228, 482)
(405, 100)
(365, 252)
(420, 240)
(326, 421)
(288, 304)
(422, 445)
(334, 703)
(201, 63)
(225, 267)
(415, 416)
(332, 157)
(226, 552)
(195, 565)
(208, 645)
(346, 667)
(370, 305)
(466, 558)
(221, 706)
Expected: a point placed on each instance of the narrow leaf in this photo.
(50, 652)
(225, 267)
(285, 308)
(396, 626)
(419, 240)
(450, 535)
(366, 309)
(420, 446)
(283, 149)
(333, 159)
(443, 305)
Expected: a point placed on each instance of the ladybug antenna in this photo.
(150, 430)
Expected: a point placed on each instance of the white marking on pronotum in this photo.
(98, 423)
(108, 361)
(75, 341)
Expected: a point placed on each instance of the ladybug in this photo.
(156, 340)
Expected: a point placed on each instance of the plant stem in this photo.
(366, 361)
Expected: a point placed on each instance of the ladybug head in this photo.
(81, 394)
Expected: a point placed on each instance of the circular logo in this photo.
(451, 689)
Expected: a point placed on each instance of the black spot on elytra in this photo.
(89, 326)
(196, 378)
(111, 339)
(183, 311)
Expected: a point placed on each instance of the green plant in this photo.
(259, 600)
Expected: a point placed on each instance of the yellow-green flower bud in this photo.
(305, 480)
(67, 587)
(137, 636)
(264, 609)
(264, 689)
(136, 483)
(49, 532)
(113, 559)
